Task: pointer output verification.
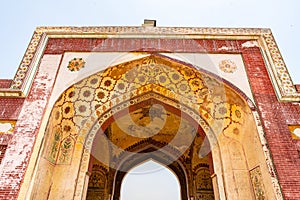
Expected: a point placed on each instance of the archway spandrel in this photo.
(182, 86)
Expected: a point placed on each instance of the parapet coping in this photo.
(284, 87)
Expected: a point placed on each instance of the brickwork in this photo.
(5, 83)
(298, 87)
(275, 115)
(20, 146)
(59, 45)
(10, 107)
(2, 151)
(5, 138)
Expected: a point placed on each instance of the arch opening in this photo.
(135, 150)
(150, 180)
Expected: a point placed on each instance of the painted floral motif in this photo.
(68, 110)
(54, 147)
(83, 108)
(227, 66)
(222, 110)
(66, 148)
(236, 113)
(68, 127)
(76, 64)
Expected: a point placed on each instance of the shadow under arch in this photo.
(151, 98)
(148, 148)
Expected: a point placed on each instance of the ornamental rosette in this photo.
(76, 64)
(227, 66)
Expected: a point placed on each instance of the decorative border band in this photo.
(281, 79)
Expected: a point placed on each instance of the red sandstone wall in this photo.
(5, 83)
(276, 116)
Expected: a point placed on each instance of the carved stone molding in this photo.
(278, 72)
(276, 67)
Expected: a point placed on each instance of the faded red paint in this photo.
(15, 161)
(297, 87)
(10, 107)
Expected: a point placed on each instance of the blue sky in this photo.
(163, 183)
(18, 20)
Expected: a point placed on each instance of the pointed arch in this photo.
(219, 109)
(160, 157)
(142, 178)
(172, 79)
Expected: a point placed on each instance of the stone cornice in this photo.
(278, 72)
